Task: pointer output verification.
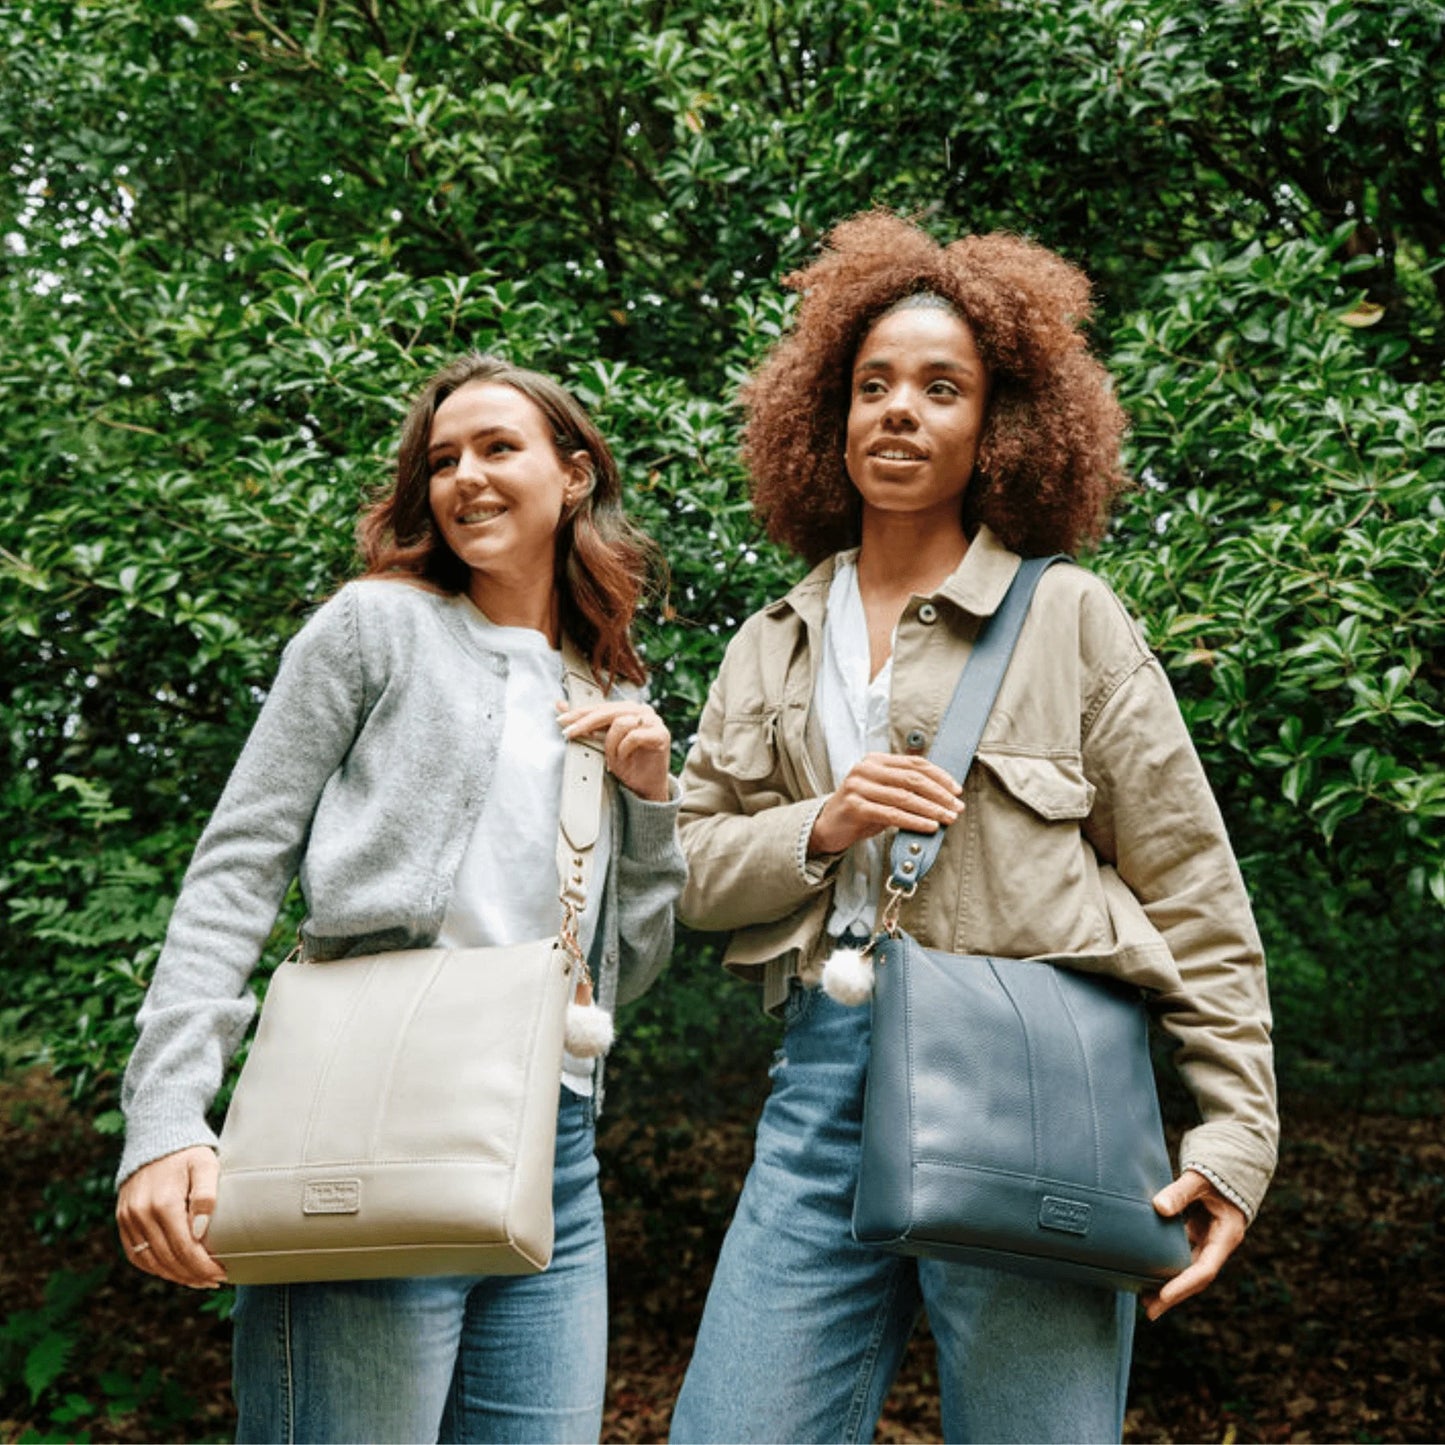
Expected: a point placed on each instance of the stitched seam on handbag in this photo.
(528, 1091)
(332, 1165)
(399, 1042)
(333, 1047)
(1043, 1181)
(1088, 1071)
(912, 1075)
(998, 973)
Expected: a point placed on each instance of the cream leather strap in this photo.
(580, 815)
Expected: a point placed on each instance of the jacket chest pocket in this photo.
(1053, 788)
(748, 753)
(1029, 885)
(764, 750)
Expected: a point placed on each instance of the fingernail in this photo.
(199, 1225)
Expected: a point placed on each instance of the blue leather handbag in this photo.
(1011, 1117)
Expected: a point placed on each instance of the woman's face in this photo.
(920, 392)
(498, 486)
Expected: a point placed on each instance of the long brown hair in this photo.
(1048, 460)
(603, 561)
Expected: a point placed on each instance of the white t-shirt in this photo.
(506, 885)
(854, 714)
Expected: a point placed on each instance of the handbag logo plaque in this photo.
(1069, 1216)
(332, 1196)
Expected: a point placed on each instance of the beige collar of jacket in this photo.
(976, 586)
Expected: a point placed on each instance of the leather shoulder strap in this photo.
(580, 815)
(912, 854)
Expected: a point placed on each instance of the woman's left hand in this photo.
(1215, 1227)
(637, 744)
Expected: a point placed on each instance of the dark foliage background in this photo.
(234, 236)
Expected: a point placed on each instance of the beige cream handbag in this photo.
(397, 1114)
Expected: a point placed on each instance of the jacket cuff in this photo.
(1239, 1165)
(814, 871)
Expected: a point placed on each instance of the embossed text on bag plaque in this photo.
(1069, 1215)
(331, 1196)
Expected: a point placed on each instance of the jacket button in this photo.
(928, 613)
(915, 742)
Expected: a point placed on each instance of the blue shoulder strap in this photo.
(912, 854)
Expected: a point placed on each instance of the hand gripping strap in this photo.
(912, 854)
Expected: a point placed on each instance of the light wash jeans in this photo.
(515, 1358)
(805, 1328)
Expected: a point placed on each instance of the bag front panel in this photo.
(1030, 1127)
(396, 1112)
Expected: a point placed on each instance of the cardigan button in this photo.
(915, 742)
(928, 613)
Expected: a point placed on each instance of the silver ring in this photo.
(140, 1248)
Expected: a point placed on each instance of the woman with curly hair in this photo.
(933, 416)
(408, 767)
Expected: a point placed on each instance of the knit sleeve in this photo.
(198, 1005)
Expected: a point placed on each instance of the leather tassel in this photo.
(848, 976)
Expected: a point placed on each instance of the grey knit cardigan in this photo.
(372, 754)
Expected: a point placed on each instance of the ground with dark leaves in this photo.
(1328, 1326)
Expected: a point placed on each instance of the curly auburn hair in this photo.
(1048, 460)
(603, 561)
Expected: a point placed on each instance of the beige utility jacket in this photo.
(1088, 835)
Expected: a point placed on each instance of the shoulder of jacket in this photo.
(373, 617)
(393, 596)
(1080, 600)
(770, 629)
(384, 608)
(806, 596)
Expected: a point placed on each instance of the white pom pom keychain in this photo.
(588, 1031)
(848, 971)
(848, 974)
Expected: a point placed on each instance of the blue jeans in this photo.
(514, 1358)
(804, 1328)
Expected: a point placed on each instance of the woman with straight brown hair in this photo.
(407, 765)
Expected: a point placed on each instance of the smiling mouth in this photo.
(896, 454)
(479, 515)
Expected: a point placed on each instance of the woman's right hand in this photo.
(163, 1211)
(885, 790)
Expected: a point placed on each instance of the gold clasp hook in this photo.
(896, 898)
(567, 934)
(572, 954)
